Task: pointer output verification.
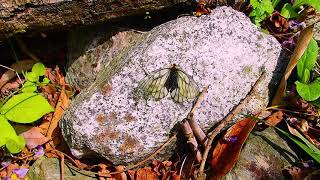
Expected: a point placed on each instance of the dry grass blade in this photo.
(302, 44)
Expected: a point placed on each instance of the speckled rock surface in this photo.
(264, 156)
(223, 50)
(91, 52)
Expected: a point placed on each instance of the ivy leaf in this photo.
(287, 11)
(267, 5)
(26, 107)
(309, 92)
(307, 60)
(39, 69)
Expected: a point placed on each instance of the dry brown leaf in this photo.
(53, 130)
(34, 137)
(274, 118)
(146, 174)
(120, 176)
(302, 44)
(131, 174)
(227, 151)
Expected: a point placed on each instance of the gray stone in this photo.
(264, 156)
(223, 50)
(87, 56)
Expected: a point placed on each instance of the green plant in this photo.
(308, 147)
(261, 10)
(25, 107)
(264, 8)
(310, 91)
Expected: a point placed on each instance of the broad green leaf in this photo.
(6, 130)
(26, 107)
(39, 69)
(31, 76)
(313, 3)
(15, 144)
(29, 87)
(287, 11)
(309, 92)
(308, 59)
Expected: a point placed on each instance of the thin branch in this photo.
(191, 140)
(224, 121)
(199, 100)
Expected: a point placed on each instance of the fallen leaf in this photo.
(227, 151)
(146, 174)
(131, 174)
(120, 176)
(302, 44)
(34, 137)
(54, 130)
(274, 118)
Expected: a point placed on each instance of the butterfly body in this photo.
(169, 80)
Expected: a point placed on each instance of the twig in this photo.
(62, 166)
(191, 140)
(224, 121)
(89, 173)
(200, 135)
(13, 71)
(26, 50)
(199, 99)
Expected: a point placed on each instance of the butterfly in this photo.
(160, 82)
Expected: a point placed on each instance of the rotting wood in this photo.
(26, 15)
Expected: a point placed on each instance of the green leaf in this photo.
(29, 86)
(45, 81)
(9, 138)
(275, 3)
(287, 11)
(6, 130)
(309, 92)
(314, 154)
(313, 3)
(254, 3)
(267, 5)
(26, 107)
(306, 76)
(31, 76)
(308, 59)
(316, 103)
(15, 144)
(39, 69)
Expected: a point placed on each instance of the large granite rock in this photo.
(223, 50)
